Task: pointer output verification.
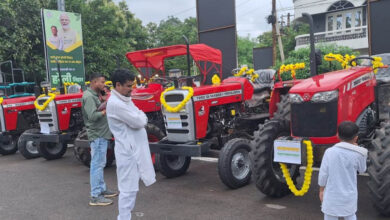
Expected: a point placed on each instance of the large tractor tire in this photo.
(8, 145)
(29, 149)
(267, 174)
(83, 154)
(172, 165)
(234, 164)
(283, 108)
(51, 150)
(379, 170)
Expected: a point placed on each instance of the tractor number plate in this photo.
(45, 128)
(286, 151)
(173, 121)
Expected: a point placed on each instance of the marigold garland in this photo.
(181, 104)
(377, 63)
(343, 60)
(292, 68)
(1, 100)
(250, 73)
(216, 80)
(308, 172)
(46, 103)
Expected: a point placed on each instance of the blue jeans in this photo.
(98, 162)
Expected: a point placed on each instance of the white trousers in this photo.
(126, 203)
(331, 217)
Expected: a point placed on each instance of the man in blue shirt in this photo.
(338, 174)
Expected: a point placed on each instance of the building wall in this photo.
(317, 6)
(319, 23)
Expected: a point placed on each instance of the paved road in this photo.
(40, 189)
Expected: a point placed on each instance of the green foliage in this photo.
(170, 32)
(303, 55)
(109, 31)
(21, 36)
(245, 47)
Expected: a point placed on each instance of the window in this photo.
(339, 5)
(330, 23)
(344, 21)
(358, 18)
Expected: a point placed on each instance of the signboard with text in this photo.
(63, 44)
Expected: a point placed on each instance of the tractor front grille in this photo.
(48, 115)
(310, 119)
(182, 130)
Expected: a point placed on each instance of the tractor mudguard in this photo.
(39, 137)
(192, 149)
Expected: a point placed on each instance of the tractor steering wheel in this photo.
(163, 81)
(360, 58)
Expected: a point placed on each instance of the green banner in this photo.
(64, 44)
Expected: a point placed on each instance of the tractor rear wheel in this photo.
(8, 145)
(29, 149)
(234, 164)
(83, 154)
(379, 170)
(172, 165)
(267, 174)
(52, 150)
(284, 108)
(155, 133)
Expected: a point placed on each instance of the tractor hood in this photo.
(329, 81)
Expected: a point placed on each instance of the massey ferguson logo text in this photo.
(216, 95)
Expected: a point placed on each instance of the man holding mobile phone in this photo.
(99, 134)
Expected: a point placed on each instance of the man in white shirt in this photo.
(67, 34)
(338, 174)
(55, 39)
(127, 124)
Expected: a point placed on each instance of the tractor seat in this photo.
(74, 89)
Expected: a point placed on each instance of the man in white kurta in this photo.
(127, 124)
(338, 174)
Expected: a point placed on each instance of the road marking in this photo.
(139, 214)
(318, 169)
(207, 159)
(275, 206)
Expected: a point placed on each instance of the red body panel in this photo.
(356, 92)
(64, 109)
(206, 97)
(276, 92)
(148, 99)
(11, 108)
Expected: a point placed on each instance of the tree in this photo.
(245, 47)
(170, 32)
(109, 31)
(302, 55)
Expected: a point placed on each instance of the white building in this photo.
(338, 22)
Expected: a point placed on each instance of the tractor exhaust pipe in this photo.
(62, 90)
(189, 81)
(313, 63)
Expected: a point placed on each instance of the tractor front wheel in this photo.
(83, 153)
(51, 150)
(28, 149)
(267, 174)
(379, 170)
(234, 164)
(8, 145)
(172, 165)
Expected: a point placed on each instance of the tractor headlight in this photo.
(325, 96)
(295, 98)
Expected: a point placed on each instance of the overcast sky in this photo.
(250, 14)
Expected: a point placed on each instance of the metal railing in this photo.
(333, 36)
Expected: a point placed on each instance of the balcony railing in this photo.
(332, 36)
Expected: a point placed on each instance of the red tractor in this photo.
(17, 113)
(220, 117)
(60, 119)
(151, 83)
(311, 109)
